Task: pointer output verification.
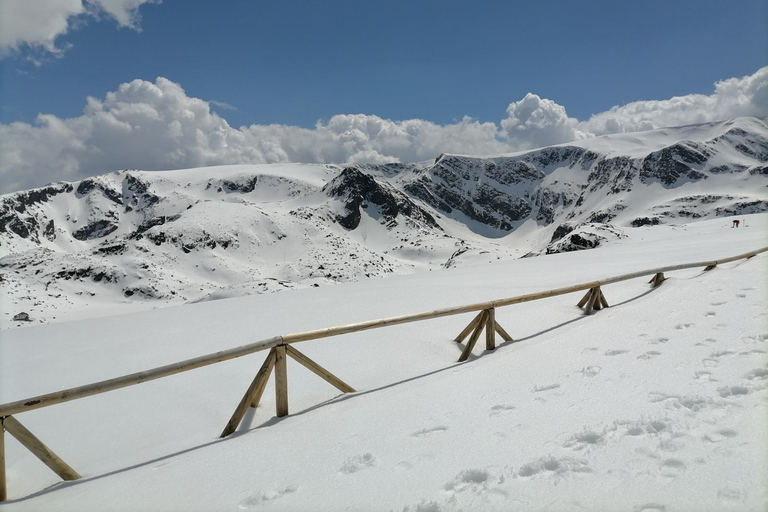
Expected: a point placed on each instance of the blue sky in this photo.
(295, 62)
(90, 86)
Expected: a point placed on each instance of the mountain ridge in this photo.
(143, 239)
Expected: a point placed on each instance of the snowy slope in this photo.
(134, 240)
(657, 403)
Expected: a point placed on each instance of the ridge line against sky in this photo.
(55, 56)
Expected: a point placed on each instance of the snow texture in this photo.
(658, 403)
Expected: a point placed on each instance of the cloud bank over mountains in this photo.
(156, 125)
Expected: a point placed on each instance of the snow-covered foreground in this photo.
(657, 403)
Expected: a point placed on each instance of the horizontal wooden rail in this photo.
(66, 395)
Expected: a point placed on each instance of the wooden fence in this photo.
(280, 347)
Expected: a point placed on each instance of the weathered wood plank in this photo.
(490, 329)
(473, 338)
(252, 395)
(603, 300)
(502, 332)
(584, 300)
(3, 488)
(469, 328)
(135, 378)
(318, 370)
(39, 449)
(281, 382)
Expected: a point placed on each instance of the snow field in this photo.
(657, 403)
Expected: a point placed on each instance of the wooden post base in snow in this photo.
(276, 360)
(486, 319)
(657, 279)
(594, 300)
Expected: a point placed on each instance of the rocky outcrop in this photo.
(357, 190)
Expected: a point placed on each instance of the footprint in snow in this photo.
(548, 387)
(741, 295)
(656, 341)
(649, 355)
(710, 314)
(498, 410)
(671, 468)
(358, 463)
(649, 507)
(717, 303)
(266, 496)
(431, 430)
(683, 326)
(615, 352)
(590, 371)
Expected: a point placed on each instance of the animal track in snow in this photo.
(358, 463)
(741, 295)
(717, 303)
(649, 355)
(683, 326)
(615, 352)
(710, 314)
(658, 340)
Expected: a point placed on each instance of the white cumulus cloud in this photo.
(38, 23)
(156, 125)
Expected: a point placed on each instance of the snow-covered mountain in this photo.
(135, 239)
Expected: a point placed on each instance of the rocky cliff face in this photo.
(185, 235)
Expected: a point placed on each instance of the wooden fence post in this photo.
(281, 382)
(490, 329)
(3, 489)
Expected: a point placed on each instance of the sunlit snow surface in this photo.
(658, 403)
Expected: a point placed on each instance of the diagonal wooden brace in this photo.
(469, 328)
(38, 449)
(252, 395)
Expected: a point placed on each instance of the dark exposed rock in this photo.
(355, 188)
(21, 317)
(50, 231)
(645, 221)
(673, 163)
(95, 229)
(90, 184)
(136, 193)
(560, 232)
(243, 185)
